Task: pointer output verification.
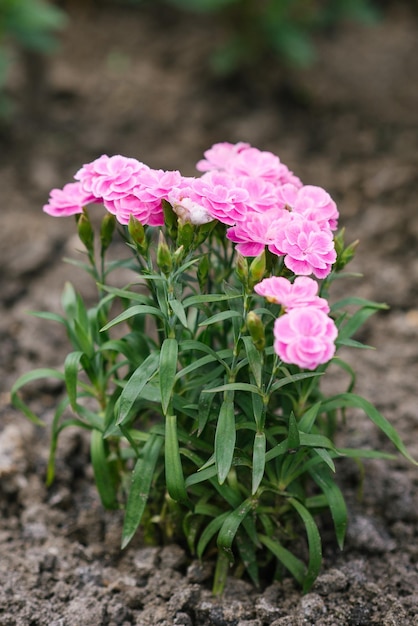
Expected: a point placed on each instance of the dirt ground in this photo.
(136, 83)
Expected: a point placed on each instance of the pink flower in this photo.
(221, 195)
(148, 213)
(219, 156)
(312, 202)
(110, 177)
(303, 292)
(305, 337)
(308, 248)
(67, 201)
(258, 230)
(187, 204)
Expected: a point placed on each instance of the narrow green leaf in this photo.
(142, 478)
(351, 400)
(294, 436)
(225, 440)
(235, 387)
(314, 543)
(294, 565)
(168, 367)
(288, 380)
(259, 460)
(307, 420)
(71, 367)
(103, 476)
(220, 317)
(178, 310)
(206, 298)
(133, 388)
(173, 468)
(335, 500)
(138, 309)
(230, 527)
(210, 530)
(25, 379)
(255, 360)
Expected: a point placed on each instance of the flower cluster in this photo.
(262, 204)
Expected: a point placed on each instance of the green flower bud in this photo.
(170, 220)
(137, 233)
(164, 258)
(256, 329)
(85, 231)
(257, 269)
(203, 231)
(106, 231)
(345, 253)
(185, 235)
(242, 269)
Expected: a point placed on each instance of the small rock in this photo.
(145, 560)
(311, 608)
(172, 557)
(331, 581)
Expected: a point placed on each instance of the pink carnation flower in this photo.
(305, 337)
(148, 213)
(312, 202)
(67, 201)
(303, 292)
(258, 230)
(219, 156)
(307, 248)
(222, 196)
(108, 178)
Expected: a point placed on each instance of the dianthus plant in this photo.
(200, 381)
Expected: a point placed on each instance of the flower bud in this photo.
(137, 233)
(257, 269)
(185, 235)
(242, 269)
(256, 329)
(345, 253)
(164, 259)
(106, 231)
(170, 220)
(85, 230)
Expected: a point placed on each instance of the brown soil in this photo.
(136, 83)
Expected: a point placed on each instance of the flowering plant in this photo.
(199, 381)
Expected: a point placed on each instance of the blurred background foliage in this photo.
(27, 27)
(256, 33)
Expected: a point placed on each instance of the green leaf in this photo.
(259, 460)
(235, 387)
(178, 310)
(142, 478)
(294, 436)
(314, 543)
(133, 388)
(225, 440)
(71, 367)
(36, 374)
(230, 527)
(351, 400)
(173, 468)
(168, 368)
(220, 317)
(103, 475)
(138, 309)
(206, 298)
(255, 360)
(294, 565)
(293, 379)
(307, 420)
(335, 500)
(210, 530)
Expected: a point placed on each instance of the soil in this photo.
(136, 82)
